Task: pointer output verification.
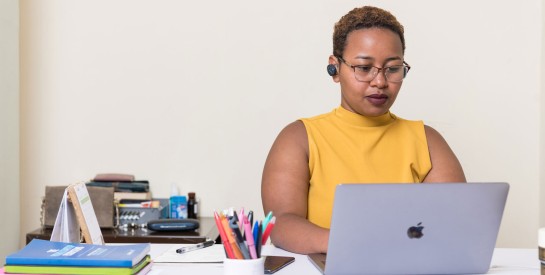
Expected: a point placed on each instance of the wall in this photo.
(194, 93)
(9, 127)
(542, 123)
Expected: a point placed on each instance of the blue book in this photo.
(48, 253)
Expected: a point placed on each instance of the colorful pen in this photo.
(255, 228)
(231, 238)
(240, 241)
(266, 220)
(249, 238)
(268, 231)
(223, 236)
(241, 221)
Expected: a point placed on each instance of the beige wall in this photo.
(542, 133)
(195, 92)
(9, 127)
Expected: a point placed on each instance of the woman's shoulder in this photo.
(432, 134)
(295, 130)
(445, 164)
(293, 134)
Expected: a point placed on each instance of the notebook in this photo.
(440, 228)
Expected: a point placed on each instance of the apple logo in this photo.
(415, 232)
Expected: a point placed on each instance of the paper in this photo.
(75, 215)
(66, 228)
(211, 254)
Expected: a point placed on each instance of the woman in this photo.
(358, 142)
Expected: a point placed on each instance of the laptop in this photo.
(439, 228)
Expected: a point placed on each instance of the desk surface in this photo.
(504, 261)
(207, 229)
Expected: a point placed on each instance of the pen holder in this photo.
(244, 267)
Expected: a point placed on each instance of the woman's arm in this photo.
(445, 165)
(284, 190)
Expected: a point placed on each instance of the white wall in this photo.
(9, 127)
(195, 92)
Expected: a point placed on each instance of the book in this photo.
(49, 253)
(121, 186)
(3, 272)
(85, 213)
(141, 268)
(132, 196)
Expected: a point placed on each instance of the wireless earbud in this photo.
(331, 70)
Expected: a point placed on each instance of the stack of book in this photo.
(125, 186)
(47, 257)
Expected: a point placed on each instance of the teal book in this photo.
(48, 253)
(141, 268)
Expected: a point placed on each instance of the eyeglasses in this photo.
(366, 73)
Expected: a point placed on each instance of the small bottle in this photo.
(178, 204)
(192, 206)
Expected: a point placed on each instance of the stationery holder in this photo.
(244, 267)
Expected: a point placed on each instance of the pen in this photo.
(255, 228)
(238, 239)
(249, 238)
(268, 230)
(266, 220)
(258, 240)
(195, 247)
(241, 221)
(224, 240)
(251, 217)
(231, 238)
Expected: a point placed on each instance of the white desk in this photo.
(504, 261)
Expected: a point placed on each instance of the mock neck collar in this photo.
(364, 121)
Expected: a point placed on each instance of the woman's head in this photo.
(368, 60)
(364, 18)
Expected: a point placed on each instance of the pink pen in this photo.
(249, 238)
(241, 219)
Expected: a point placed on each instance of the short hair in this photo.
(364, 18)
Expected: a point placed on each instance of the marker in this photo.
(239, 240)
(268, 231)
(224, 240)
(195, 247)
(255, 228)
(231, 238)
(251, 217)
(249, 238)
(266, 220)
(258, 240)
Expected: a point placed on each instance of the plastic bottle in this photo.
(192, 206)
(178, 204)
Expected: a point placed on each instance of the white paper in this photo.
(211, 254)
(66, 228)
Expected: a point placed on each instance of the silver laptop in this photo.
(440, 228)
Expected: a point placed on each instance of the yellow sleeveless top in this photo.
(345, 147)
